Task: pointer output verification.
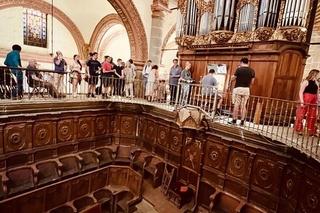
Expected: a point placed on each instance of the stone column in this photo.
(159, 9)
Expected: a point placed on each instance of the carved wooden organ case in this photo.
(266, 31)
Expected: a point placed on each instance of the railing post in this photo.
(214, 103)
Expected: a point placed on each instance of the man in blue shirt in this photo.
(13, 60)
(175, 73)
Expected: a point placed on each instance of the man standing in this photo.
(118, 84)
(93, 68)
(146, 70)
(13, 60)
(208, 92)
(35, 79)
(244, 78)
(175, 73)
(60, 65)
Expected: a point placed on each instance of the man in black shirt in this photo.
(93, 69)
(118, 85)
(244, 78)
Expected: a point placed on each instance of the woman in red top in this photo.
(106, 76)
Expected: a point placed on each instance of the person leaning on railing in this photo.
(175, 73)
(60, 65)
(308, 97)
(35, 79)
(92, 72)
(186, 79)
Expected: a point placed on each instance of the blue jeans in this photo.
(19, 87)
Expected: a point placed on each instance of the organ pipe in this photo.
(295, 13)
(179, 26)
(268, 13)
(246, 18)
(205, 23)
(190, 27)
(224, 15)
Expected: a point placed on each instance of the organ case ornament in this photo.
(221, 37)
(264, 33)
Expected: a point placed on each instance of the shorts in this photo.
(240, 95)
(106, 80)
(93, 79)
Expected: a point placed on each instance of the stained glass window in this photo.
(34, 28)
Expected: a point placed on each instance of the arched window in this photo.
(190, 27)
(295, 13)
(224, 15)
(246, 18)
(268, 13)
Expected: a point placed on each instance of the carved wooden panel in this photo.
(101, 126)
(31, 203)
(206, 191)
(235, 188)
(290, 185)
(115, 124)
(99, 180)
(127, 141)
(43, 133)
(84, 127)
(239, 165)
(265, 200)
(266, 175)
(118, 176)
(79, 187)
(57, 195)
(309, 199)
(151, 131)
(176, 141)
(9, 206)
(128, 125)
(192, 154)
(216, 156)
(134, 182)
(65, 130)
(163, 135)
(15, 137)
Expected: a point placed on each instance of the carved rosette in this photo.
(42, 134)
(162, 136)
(202, 40)
(221, 37)
(296, 34)
(84, 130)
(100, 127)
(243, 37)
(264, 176)
(15, 138)
(151, 131)
(175, 144)
(264, 33)
(65, 130)
(187, 40)
(127, 125)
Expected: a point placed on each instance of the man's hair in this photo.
(94, 53)
(149, 61)
(16, 47)
(175, 60)
(119, 59)
(244, 60)
(212, 71)
(155, 67)
(106, 56)
(131, 61)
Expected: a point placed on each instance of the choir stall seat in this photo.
(225, 202)
(154, 167)
(96, 208)
(83, 202)
(64, 209)
(105, 157)
(138, 161)
(123, 155)
(19, 180)
(49, 171)
(70, 165)
(125, 202)
(105, 198)
(89, 160)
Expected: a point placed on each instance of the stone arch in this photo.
(165, 41)
(109, 39)
(131, 20)
(102, 27)
(58, 14)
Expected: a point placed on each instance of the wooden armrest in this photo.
(4, 177)
(113, 148)
(34, 168)
(132, 201)
(239, 207)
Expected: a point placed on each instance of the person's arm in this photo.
(303, 86)
(157, 74)
(65, 65)
(88, 69)
(252, 81)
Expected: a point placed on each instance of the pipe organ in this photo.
(265, 31)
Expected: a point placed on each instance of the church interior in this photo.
(94, 155)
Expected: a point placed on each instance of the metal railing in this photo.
(274, 119)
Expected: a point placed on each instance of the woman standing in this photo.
(186, 80)
(75, 75)
(152, 77)
(128, 79)
(308, 96)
